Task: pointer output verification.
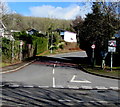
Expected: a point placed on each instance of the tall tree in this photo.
(97, 28)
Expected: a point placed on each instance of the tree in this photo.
(98, 27)
(77, 25)
(3, 9)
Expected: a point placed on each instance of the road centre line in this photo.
(78, 81)
(53, 71)
(53, 82)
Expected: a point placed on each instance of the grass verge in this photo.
(106, 72)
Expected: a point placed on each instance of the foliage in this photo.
(21, 23)
(7, 46)
(40, 43)
(98, 27)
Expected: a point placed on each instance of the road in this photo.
(57, 74)
(50, 72)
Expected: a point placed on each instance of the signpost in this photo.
(111, 48)
(93, 47)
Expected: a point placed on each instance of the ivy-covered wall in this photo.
(32, 45)
(10, 48)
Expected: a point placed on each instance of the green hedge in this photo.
(7, 46)
(33, 45)
(40, 44)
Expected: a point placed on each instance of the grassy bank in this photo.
(106, 72)
(2, 64)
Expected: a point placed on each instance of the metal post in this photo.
(12, 51)
(93, 58)
(111, 61)
(51, 42)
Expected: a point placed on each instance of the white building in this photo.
(69, 36)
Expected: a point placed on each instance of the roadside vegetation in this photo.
(106, 72)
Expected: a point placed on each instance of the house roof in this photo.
(34, 30)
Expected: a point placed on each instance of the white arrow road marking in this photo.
(78, 81)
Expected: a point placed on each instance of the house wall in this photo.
(70, 36)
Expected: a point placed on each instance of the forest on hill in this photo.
(22, 23)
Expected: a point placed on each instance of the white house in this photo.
(67, 36)
(70, 36)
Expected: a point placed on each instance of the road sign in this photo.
(93, 46)
(111, 49)
(112, 46)
(112, 43)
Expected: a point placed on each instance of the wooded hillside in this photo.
(19, 22)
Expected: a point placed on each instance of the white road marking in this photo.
(86, 87)
(78, 81)
(14, 85)
(54, 82)
(101, 87)
(74, 87)
(114, 88)
(28, 86)
(53, 71)
(43, 86)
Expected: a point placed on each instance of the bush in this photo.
(7, 51)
